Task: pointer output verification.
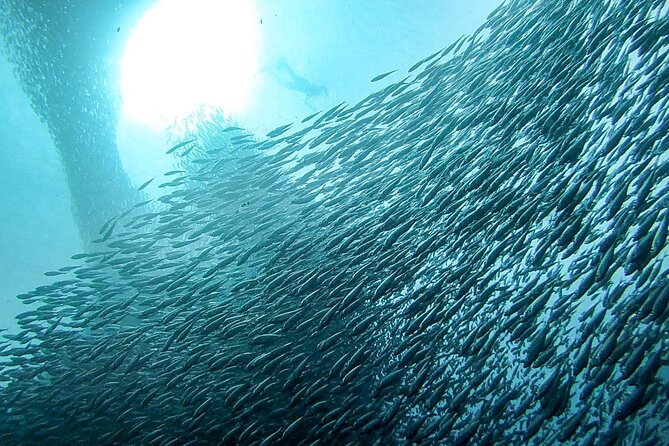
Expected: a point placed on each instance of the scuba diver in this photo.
(285, 76)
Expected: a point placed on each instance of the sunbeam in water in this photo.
(184, 54)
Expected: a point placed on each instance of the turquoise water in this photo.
(340, 45)
(405, 237)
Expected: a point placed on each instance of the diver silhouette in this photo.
(285, 76)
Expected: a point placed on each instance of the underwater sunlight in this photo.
(184, 54)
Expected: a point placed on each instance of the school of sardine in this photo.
(475, 254)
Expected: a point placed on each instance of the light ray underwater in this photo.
(475, 253)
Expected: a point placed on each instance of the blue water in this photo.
(468, 250)
(340, 45)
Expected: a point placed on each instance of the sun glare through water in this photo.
(183, 54)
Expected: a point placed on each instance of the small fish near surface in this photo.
(382, 76)
(178, 146)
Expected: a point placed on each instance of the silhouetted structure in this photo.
(67, 57)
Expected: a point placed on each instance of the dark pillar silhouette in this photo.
(67, 55)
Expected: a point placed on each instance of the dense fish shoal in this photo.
(473, 255)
